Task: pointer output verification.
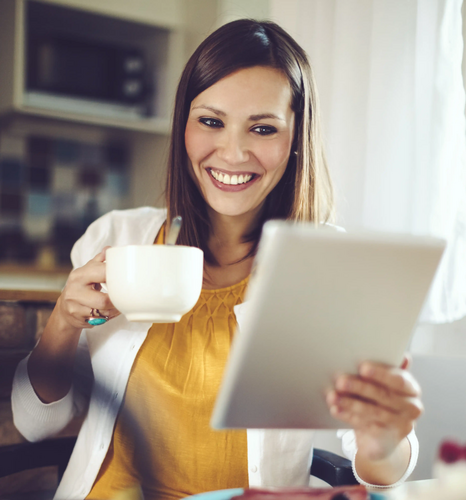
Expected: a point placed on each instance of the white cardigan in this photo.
(275, 457)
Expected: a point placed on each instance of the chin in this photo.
(230, 211)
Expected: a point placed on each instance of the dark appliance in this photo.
(85, 69)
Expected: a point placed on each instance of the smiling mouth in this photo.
(231, 180)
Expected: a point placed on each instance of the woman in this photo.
(245, 148)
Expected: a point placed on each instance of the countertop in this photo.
(28, 283)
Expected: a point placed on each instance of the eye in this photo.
(264, 130)
(211, 122)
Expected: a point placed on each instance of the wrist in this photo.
(51, 363)
(59, 337)
(386, 471)
(61, 322)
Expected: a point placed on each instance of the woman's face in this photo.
(238, 138)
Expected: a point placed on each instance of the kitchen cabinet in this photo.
(155, 26)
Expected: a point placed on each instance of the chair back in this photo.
(23, 456)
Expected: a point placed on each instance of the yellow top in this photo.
(162, 437)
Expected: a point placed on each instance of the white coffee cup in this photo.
(154, 283)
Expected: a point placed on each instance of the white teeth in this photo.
(233, 180)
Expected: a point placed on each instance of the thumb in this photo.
(100, 257)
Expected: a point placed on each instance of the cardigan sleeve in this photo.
(350, 449)
(37, 420)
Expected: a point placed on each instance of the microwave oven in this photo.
(85, 69)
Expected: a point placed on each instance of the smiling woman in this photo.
(245, 148)
(248, 93)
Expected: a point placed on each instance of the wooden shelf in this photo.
(14, 268)
(29, 295)
(150, 125)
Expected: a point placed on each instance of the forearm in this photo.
(50, 365)
(386, 471)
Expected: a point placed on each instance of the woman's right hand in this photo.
(51, 363)
(82, 294)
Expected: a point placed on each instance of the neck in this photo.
(226, 240)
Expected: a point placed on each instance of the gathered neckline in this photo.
(227, 288)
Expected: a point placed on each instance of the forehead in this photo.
(259, 88)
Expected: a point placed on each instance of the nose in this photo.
(232, 148)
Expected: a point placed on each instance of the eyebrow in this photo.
(254, 118)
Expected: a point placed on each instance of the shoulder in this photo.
(126, 227)
(138, 219)
(136, 226)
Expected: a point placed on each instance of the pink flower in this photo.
(450, 452)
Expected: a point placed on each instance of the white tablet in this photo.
(319, 302)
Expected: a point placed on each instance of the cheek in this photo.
(198, 144)
(275, 158)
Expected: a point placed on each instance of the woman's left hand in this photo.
(381, 403)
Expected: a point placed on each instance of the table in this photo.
(403, 492)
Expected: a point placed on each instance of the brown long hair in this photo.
(304, 193)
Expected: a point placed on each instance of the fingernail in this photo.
(334, 410)
(336, 400)
(367, 370)
(343, 384)
(332, 398)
